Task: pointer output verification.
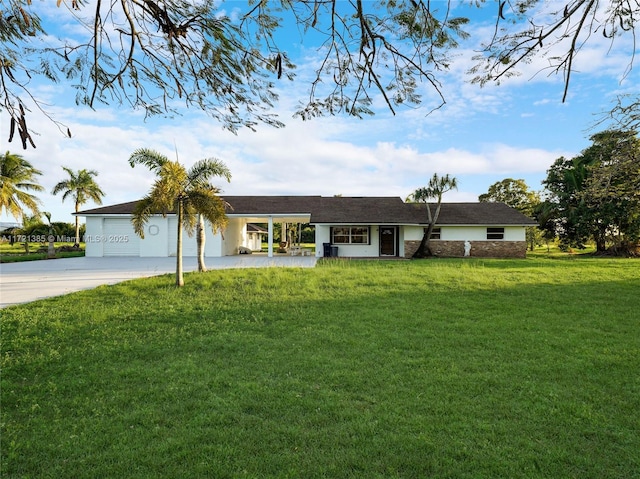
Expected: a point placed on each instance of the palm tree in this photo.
(17, 176)
(435, 189)
(188, 193)
(51, 252)
(81, 187)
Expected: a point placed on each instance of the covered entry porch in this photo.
(237, 229)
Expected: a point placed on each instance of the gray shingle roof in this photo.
(251, 228)
(362, 210)
(119, 209)
(345, 209)
(478, 214)
(277, 205)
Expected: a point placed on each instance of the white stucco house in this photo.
(344, 226)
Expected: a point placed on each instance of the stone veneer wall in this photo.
(479, 249)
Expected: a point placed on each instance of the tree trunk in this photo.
(179, 273)
(77, 227)
(601, 241)
(531, 237)
(200, 240)
(424, 250)
(51, 250)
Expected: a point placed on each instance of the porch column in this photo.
(284, 234)
(270, 242)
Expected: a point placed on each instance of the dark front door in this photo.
(388, 241)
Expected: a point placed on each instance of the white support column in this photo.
(270, 242)
(284, 233)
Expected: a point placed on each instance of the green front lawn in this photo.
(367, 369)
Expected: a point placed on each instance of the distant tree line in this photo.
(34, 226)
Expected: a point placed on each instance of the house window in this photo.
(495, 233)
(435, 233)
(350, 235)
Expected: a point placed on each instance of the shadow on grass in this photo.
(446, 369)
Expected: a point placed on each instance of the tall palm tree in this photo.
(436, 188)
(81, 187)
(188, 193)
(17, 177)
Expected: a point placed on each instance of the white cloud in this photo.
(303, 158)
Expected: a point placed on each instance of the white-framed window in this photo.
(495, 233)
(350, 235)
(435, 233)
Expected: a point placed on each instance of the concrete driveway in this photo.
(30, 280)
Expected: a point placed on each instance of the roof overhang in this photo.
(357, 223)
(490, 225)
(106, 215)
(276, 217)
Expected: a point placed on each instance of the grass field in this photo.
(12, 253)
(367, 369)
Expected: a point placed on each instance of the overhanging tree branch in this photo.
(187, 49)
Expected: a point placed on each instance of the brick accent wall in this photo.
(479, 249)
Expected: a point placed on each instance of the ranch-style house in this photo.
(344, 226)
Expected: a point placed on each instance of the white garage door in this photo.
(189, 244)
(119, 238)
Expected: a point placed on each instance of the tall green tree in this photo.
(187, 193)
(194, 53)
(566, 213)
(436, 188)
(17, 179)
(612, 187)
(595, 195)
(516, 193)
(81, 187)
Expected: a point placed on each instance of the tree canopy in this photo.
(160, 55)
(17, 180)
(596, 195)
(514, 193)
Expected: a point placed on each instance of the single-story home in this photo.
(344, 226)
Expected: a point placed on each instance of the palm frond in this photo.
(141, 214)
(207, 203)
(203, 170)
(149, 158)
(17, 177)
(189, 217)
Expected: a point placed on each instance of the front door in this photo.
(388, 241)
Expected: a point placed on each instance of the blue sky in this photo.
(481, 136)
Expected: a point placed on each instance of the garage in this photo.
(119, 239)
(189, 243)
